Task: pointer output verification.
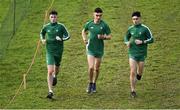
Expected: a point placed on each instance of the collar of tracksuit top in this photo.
(53, 24)
(137, 25)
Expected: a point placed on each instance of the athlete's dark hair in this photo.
(53, 12)
(98, 10)
(136, 13)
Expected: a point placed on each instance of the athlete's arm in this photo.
(85, 32)
(108, 37)
(138, 42)
(105, 37)
(66, 35)
(150, 38)
(42, 35)
(126, 38)
(84, 36)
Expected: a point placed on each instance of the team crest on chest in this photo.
(48, 31)
(101, 28)
(56, 30)
(140, 33)
(91, 27)
(132, 33)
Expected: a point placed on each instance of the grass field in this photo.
(158, 89)
(3, 9)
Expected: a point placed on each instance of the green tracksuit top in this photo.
(95, 46)
(54, 30)
(140, 32)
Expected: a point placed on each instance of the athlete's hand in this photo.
(58, 38)
(137, 41)
(101, 36)
(128, 44)
(85, 41)
(43, 41)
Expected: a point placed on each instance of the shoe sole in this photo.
(49, 97)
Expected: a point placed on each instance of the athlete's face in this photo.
(53, 18)
(136, 20)
(97, 16)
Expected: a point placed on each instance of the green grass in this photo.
(4, 5)
(159, 88)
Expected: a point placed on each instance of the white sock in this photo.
(51, 91)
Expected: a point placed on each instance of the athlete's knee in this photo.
(97, 70)
(50, 72)
(132, 73)
(140, 71)
(57, 69)
(91, 68)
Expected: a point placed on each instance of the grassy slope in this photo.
(4, 5)
(160, 85)
(3, 8)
